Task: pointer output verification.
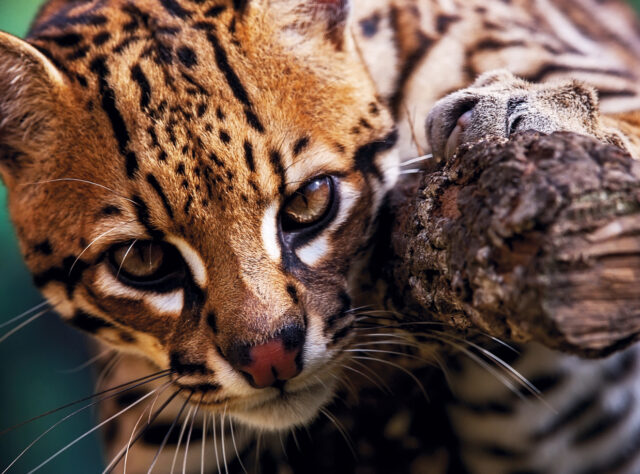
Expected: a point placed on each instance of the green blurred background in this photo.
(36, 362)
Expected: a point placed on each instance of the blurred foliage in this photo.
(35, 374)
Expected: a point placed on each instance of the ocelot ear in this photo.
(313, 18)
(29, 87)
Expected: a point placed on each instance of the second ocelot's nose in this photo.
(273, 362)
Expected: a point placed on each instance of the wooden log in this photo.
(532, 239)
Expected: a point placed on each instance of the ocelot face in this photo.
(193, 183)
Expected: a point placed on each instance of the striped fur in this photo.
(193, 123)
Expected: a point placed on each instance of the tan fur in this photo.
(96, 115)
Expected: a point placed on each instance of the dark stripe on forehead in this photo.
(158, 189)
(145, 219)
(364, 157)
(248, 156)
(175, 9)
(275, 158)
(145, 88)
(99, 67)
(240, 93)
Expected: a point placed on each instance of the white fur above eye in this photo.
(168, 303)
(191, 256)
(269, 231)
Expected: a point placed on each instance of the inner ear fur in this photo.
(29, 87)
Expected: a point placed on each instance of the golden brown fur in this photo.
(193, 124)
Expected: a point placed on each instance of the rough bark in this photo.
(535, 238)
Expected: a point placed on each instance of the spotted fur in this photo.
(192, 123)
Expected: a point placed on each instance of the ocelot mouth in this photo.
(285, 409)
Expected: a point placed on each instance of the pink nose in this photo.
(277, 360)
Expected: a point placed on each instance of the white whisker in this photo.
(186, 448)
(182, 431)
(235, 446)
(24, 315)
(8, 334)
(87, 433)
(417, 160)
(84, 181)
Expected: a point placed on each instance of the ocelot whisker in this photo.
(204, 442)
(133, 431)
(235, 446)
(104, 234)
(180, 436)
(186, 448)
(24, 314)
(23, 324)
(169, 431)
(399, 367)
(125, 257)
(222, 431)
(524, 382)
(506, 382)
(84, 181)
(382, 387)
(150, 378)
(141, 433)
(215, 442)
(418, 159)
(87, 433)
(295, 438)
(106, 370)
(341, 429)
(412, 171)
(86, 364)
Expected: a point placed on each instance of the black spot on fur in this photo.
(187, 56)
(224, 136)
(110, 211)
(175, 9)
(101, 38)
(65, 41)
(89, 323)
(43, 247)
(213, 12)
(300, 145)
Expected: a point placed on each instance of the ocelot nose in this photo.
(273, 362)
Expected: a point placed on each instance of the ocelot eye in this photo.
(149, 265)
(309, 205)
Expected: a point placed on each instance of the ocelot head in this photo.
(193, 181)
